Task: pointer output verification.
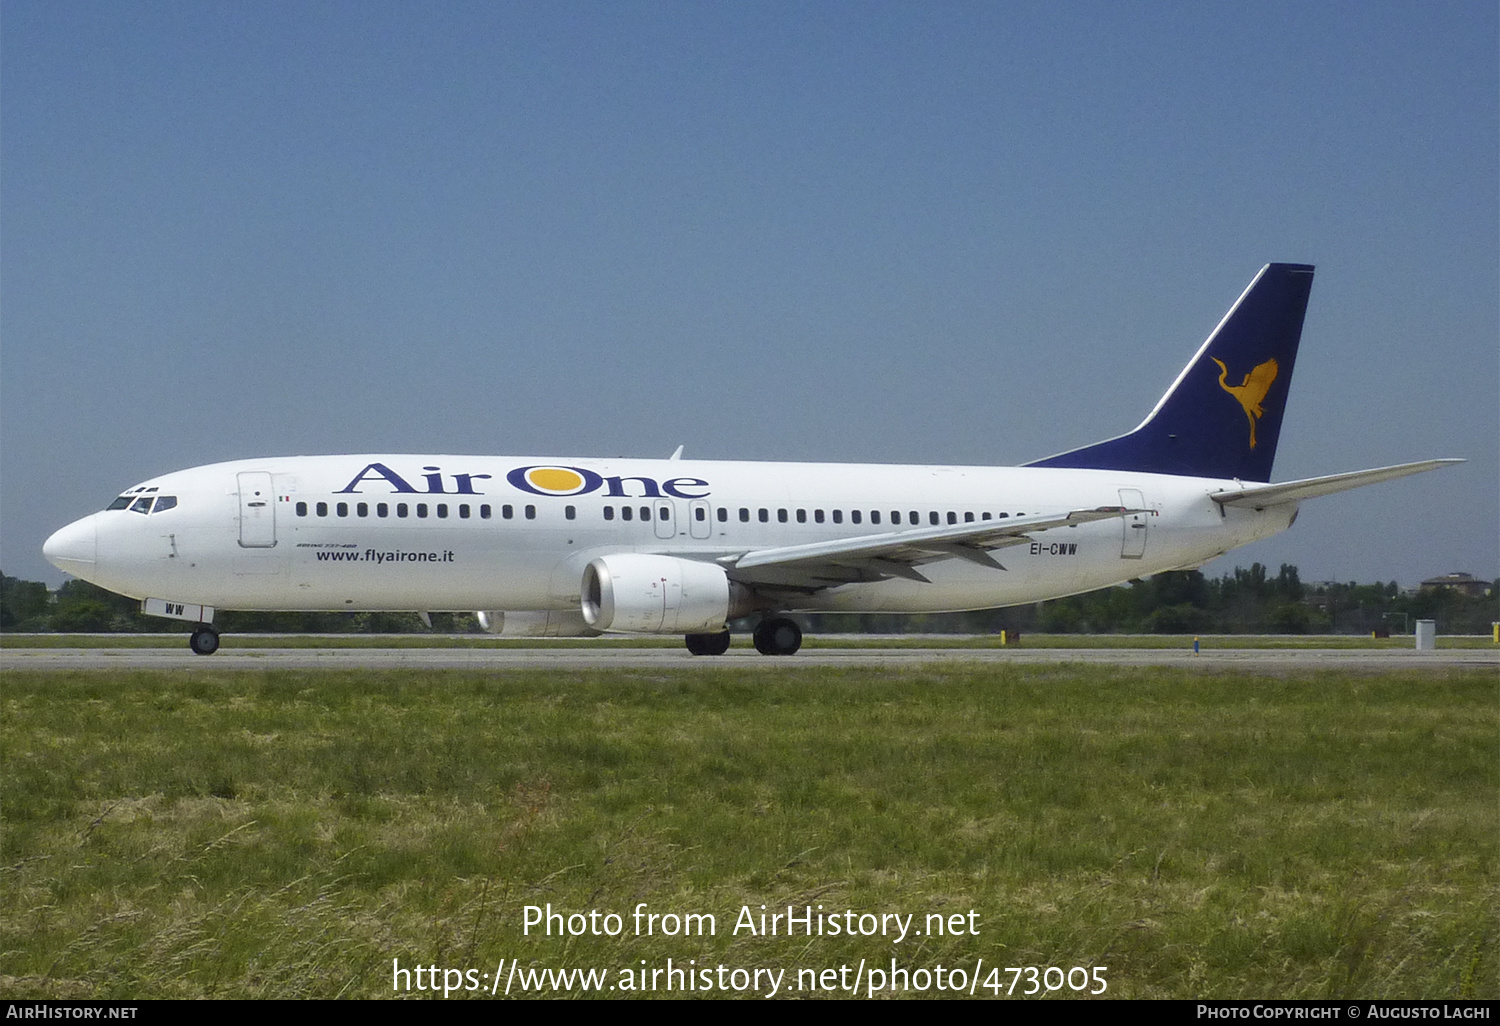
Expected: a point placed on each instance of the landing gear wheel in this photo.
(205, 640)
(777, 636)
(708, 644)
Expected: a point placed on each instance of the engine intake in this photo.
(645, 594)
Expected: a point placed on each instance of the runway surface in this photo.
(741, 659)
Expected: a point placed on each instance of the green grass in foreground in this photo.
(287, 834)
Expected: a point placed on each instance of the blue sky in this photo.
(956, 233)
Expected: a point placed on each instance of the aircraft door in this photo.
(1134, 544)
(700, 519)
(666, 518)
(257, 511)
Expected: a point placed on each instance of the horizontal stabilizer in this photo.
(1261, 496)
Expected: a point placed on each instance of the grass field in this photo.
(288, 834)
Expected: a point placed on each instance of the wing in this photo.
(879, 557)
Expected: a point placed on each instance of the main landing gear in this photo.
(708, 644)
(205, 640)
(775, 635)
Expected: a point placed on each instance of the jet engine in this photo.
(536, 623)
(646, 594)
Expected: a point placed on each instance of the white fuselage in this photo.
(546, 546)
(429, 533)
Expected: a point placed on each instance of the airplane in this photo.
(554, 547)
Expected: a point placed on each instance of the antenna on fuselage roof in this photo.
(676, 454)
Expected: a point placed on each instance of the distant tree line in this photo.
(78, 606)
(1186, 602)
(1181, 602)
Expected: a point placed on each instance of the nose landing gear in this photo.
(205, 640)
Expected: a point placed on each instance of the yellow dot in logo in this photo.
(555, 479)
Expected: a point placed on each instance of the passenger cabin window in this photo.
(382, 509)
(302, 509)
(322, 509)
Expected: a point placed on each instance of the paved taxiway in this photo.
(573, 658)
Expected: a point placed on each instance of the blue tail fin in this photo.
(1222, 416)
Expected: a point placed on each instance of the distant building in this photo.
(1464, 584)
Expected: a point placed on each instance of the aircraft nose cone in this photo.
(73, 548)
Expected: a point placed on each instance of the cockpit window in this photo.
(138, 503)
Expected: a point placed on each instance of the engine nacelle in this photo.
(644, 594)
(536, 623)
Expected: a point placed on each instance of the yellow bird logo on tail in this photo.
(1250, 392)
